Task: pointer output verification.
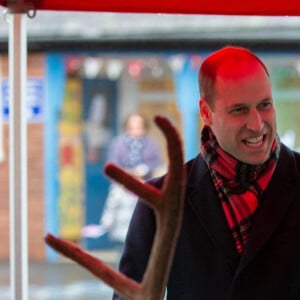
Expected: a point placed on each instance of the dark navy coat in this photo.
(206, 265)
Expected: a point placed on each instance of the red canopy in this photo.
(224, 7)
(17, 55)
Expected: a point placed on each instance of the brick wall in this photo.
(35, 193)
(4, 197)
(36, 199)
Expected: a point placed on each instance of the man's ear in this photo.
(205, 111)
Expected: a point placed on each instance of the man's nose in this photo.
(255, 121)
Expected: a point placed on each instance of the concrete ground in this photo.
(64, 280)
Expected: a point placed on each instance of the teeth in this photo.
(255, 142)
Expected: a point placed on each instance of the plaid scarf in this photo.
(239, 185)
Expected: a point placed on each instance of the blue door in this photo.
(100, 122)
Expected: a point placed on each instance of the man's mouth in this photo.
(254, 142)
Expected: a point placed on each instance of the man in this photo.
(135, 151)
(240, 236)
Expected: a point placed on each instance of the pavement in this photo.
(62, 280)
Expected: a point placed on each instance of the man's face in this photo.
(243, 116)
(135, 126)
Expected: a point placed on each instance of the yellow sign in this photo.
(71, 168)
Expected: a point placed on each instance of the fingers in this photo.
(175, 152)
(120, 283)
(168, 205)
(145, 191)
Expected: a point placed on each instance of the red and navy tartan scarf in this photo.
(239, 185)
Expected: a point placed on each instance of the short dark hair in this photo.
(209, 69)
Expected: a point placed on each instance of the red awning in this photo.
(225, 7)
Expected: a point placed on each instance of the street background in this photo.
(63, 280)
(149, 68)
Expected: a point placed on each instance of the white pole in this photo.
(18, 157)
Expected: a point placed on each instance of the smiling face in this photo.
(243, 117)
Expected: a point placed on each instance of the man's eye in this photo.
(265, 105)
(238, 110)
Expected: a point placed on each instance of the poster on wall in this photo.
(34, 98)
(71, 164)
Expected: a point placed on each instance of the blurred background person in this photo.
(137, 153)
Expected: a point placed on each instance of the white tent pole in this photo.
(18, 157)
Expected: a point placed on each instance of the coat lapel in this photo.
(275, 204)
(202, 196)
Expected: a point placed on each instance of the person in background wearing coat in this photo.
(137, 153)
(240, 236)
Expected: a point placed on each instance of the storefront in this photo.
(76, 104)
